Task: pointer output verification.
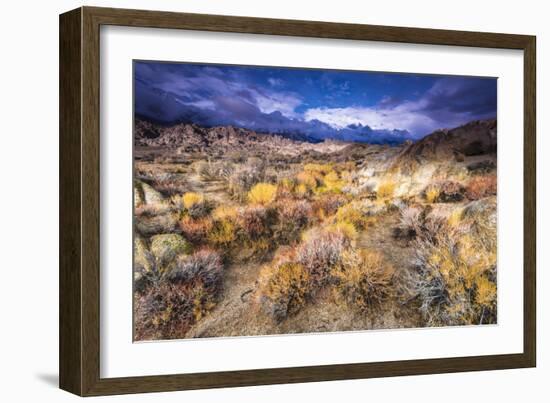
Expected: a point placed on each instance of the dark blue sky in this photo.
(348, 105)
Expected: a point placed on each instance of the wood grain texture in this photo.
(70, 276)
(80, 196)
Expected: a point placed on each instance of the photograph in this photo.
(272, 200)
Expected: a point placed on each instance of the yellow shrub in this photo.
(225, 212)
(284, 289)
(454, 278)
(309, 179)
(191, 199)
(332, 182)
(346, 228)
(455, 217)
(432, 193)
(286, 184)
(301, 190)
(486, 292)
(320, 168)
(386, 189)
(364, 278)
(262, 193)
(331, 177)
(351, 213)
(222, 233)
(346, 175)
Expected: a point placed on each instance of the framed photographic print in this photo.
(249, 201)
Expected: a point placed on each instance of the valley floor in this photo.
(347, 238)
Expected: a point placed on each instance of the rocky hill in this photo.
(187, 138)
(474, 138)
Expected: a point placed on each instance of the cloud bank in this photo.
(257, 99)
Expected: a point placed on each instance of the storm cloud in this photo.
(359, 106)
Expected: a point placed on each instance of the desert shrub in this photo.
(255, 221)
(242, 179)
(455, 217)
(364, 278)
(346, 229)
(481, 186)
(213, 171)
(327, 205)
(431, 194)
(223, 232)
(223, 212)
(322, 169)
(292, 217)
(451, 265)
(411, 221)
(206, 170)
(309, 179)
(346, 175)
(285, 188)
(195, 204)
(450, 191)
(191, 199)
(353, 213)
(284, 289)
(302, 191)
(486, 296)
(320, 252)
(386, 189)
(262, 193)
(168, 310)
(204, 265)
(331, 183)
(195, 230)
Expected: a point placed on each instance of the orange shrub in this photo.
(481, 186)
(195, 230)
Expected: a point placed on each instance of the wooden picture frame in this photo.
(79, 348)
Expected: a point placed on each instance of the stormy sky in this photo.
(345, 105)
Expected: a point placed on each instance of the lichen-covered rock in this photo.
(143, 259)
(144, 265)
(138, 195)
(158, 224)
(145, 194)
(166, 248)
(484, 210)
